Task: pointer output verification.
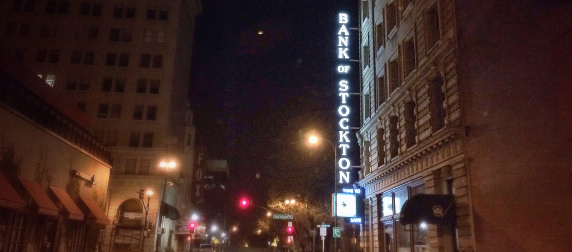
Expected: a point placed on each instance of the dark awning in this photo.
(169, 211)
(74, 213)
(429, 208)
(9, 198)
(96, 212)
(45, 205)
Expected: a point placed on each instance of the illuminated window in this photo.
(51, 80)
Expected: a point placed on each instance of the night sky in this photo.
(253, 93)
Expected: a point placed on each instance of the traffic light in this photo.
(290, 230)
(244, 202)
(192, 226)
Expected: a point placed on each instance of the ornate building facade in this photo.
(455, 97)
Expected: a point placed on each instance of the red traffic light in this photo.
(290, 230)
(244, 202)
(192, 226)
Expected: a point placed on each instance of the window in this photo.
(163, 13)
(24, 29)
(409, 59)
(141, 86)
(23, 5)
(115, 111)
(432, 29)
(96, 9)
(88, 58)
(134, 138)
(380, 147)
(84, 8)
(130, 11)
(60, 6)
(84, 84)
(436, 100)
(92, 33)
(19, 53)
(72, 82)
(76, 57)
(126, 35)
(379, 35)
(110, 59)
(381, 90)
(393, 136)
(51, 6)
(404, 4)
(123, 59)
(366, 106)
(391, 15)
(41, 55)
(81, 106)
(151, 113)
(145, 60)
(365, 53)
(148, 38)
(138, 112)
(106, 85)
(410, 129)
(158, 61)
(151, 13)
(148, 140)
(114, 35)
(118, 11)
(154, 88)
(54, 56)
(102, 110)
(50, 80)
(160, 37)
(48, 30)
(144, 166)
(393, 75)
(401, 238)
(130, 165)
(364, 10)
(119, 85)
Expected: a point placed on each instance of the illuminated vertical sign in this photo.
(343, 68)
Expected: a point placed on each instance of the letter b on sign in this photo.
(343, 18)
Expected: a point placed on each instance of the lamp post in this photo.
(314, 140)
(164, 167)
(142, 198)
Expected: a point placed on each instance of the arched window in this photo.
(130, 213)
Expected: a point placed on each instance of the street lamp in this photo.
(165, 166)
(313, 140)
(142, 198)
